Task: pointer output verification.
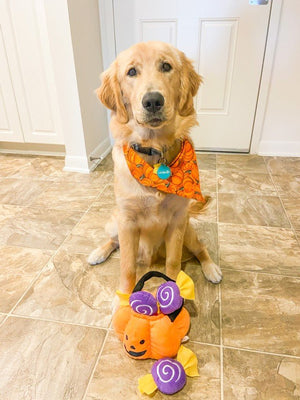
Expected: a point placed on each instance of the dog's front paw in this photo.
(97, 256)
(212, 272)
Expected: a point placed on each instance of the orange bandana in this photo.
(184, 180)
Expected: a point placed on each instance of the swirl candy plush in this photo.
(168, 296)
(169, 375)
(143, 303)
(153, 327)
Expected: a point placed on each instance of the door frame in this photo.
(108, 40)
(266, 75)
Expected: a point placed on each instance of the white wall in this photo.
(281, 128)
(76, 52)
(66, 84)
(86, 40)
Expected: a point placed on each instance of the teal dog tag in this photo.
(163, 172)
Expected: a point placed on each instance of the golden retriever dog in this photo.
(150, 89)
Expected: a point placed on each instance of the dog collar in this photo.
(150, 151)
(184, 180)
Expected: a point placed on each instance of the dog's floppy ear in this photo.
(189, 85)
(109, 93)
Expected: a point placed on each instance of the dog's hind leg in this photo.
(100, 254)
(211, 271)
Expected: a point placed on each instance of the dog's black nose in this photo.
(153, 101)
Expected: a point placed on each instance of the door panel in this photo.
(226, 40)
(10, 129)
(156, 30)
(26, 40)
(216, 66)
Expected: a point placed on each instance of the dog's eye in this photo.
(166, 67)
(132, 72)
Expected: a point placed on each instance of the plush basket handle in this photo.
(151, 274)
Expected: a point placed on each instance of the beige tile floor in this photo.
(56, 341)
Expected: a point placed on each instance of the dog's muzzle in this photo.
(153, 103)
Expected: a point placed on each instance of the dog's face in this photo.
(149, 83)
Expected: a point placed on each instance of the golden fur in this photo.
(146, 219)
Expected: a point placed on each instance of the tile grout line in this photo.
(96, 364)
(48, 262)
(93, 198)
(281, 202)
(32, 205)
(261, 273)
(257, 226)
(262, 352)
(10, 313)
(245, 349)
(4, 319)
(113, 255)
(204, 343)
(31, 201)
(221, 349)
(217, 194)
(288, 218)
(57, 321)
(255, 192)
(291, 229)
(219, 292)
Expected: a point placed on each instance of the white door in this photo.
(226, 39)
(10, 128)
(24, 40)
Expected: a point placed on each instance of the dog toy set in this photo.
(154, 326)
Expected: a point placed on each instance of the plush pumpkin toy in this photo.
(153, 327)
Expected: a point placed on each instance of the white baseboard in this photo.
(279, 148)
(35, 149)
(77, 164)
(33, 153)
(87, 164)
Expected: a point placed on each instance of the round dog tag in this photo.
(163, 172)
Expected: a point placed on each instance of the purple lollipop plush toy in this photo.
(168, 296)
(143, 303)
(169, 375)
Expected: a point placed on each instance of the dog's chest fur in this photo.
(145, 205)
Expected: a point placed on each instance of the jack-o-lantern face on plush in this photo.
(145, 336)
(137, 338)
(132, 349)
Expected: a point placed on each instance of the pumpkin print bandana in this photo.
(184, 180)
